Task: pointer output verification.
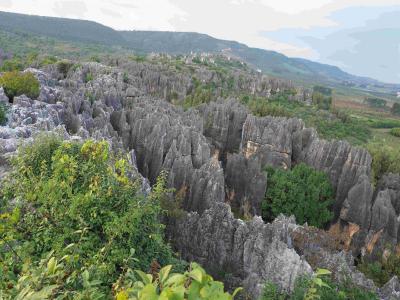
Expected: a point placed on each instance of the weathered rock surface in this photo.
(249, 253)
(391, 290)
(246, 184)
(216, 153)
(3, 97)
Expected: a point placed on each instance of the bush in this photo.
(319, 287)
(261, 107)
(383, 270)
(193, 284)
(322, 97)
(54, 278)
(395, 132)
(62, 194)
(375, 102)
(88, 77)
(396, 109)
(17, 84)
(3, 114)
(64, 66)
(303, 192)
(13, 64)
(384, 160)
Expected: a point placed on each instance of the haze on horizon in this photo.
(361, 37)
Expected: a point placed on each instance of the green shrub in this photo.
(375, 102)
(303, 192)
(261, 107)
(383, 123)
(13, 64)
(64, 66)
(48, 60)
(395, 132)
(193, 284)
(55, 278)
(88, 77)
(383, 270)
(125, 77)
(384, 160)
(64, 193)
(396, 109)
(3, 114)
(319, 287)
(17, 84)
(201, 94)
(322, 97)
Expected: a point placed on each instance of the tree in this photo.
(396, 109)
(303, 192)
(375, 102)
(322, 97)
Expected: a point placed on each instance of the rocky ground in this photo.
(215, 155)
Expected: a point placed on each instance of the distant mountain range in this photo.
(143, 42)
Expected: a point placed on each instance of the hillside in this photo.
(65, 29)
(270, 62)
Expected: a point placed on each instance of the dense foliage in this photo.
(303, 192)
(319, 287)
(16, 84)
(375, 102)
(322, 97)
(395, 132)
(77, 199)
(54, 278)
(262, 107)
(396, 109)
(193, 284)
(384, 160)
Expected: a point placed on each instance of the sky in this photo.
(360, 36)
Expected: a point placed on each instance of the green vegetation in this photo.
(3, 114)
(202, 93)
(322, 97)
(193, 284)
(261, 107)
(88, 77)
(375, 102)
(303, 192)
(64, 66)
(333, 124)
(74, 226)
(53, 278)
(17, 83)
(77, 200)
(319, 287)
(384, 160)
(396, 109)
(395, 132)
(383, 270)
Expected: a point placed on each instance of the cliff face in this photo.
(215, 156)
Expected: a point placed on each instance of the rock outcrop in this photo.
(216, 156)
(248, 253)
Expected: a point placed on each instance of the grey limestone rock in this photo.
(3, 97)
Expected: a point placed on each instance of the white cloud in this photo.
(241, 20)
(5, 3)
(119, 14)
